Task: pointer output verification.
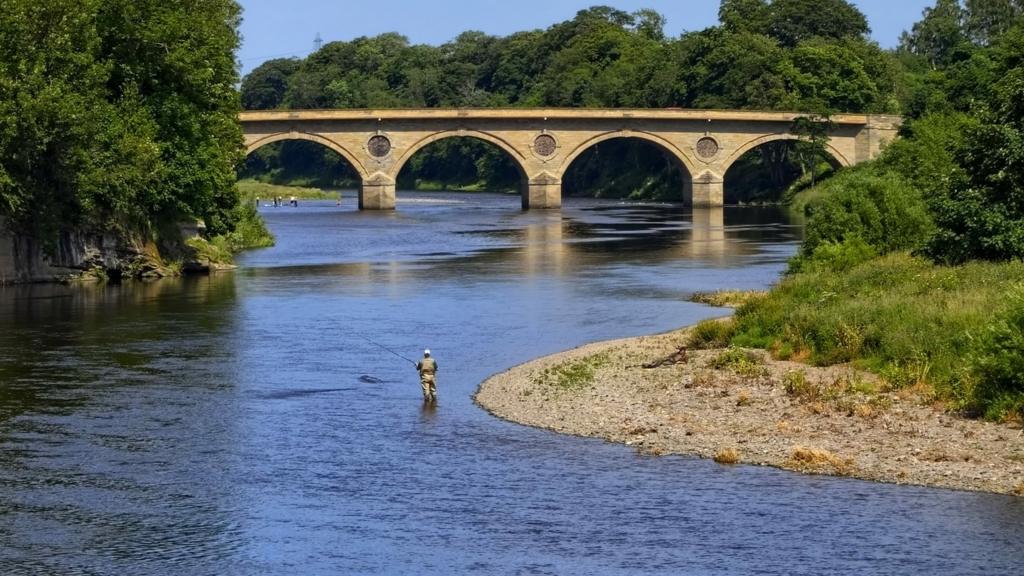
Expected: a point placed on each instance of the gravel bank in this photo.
(755, 410)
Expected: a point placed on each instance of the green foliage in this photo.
(573, 375)
(740, 361)
(982, 214)
(793, 21)
(265, 87)
(711, 334)
(837, 256)
(998, 365)
(897, 315)
(459, 163)
(785, 55)
(883, 210)
(117, 115)
(299, 163)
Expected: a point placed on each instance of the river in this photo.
(249, 422)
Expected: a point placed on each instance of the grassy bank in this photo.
(249, 190)
(953, 334)
(250, 232)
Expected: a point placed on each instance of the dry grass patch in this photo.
(726, 298)
(1018, 490)
(743, 398)
(727, 456)
(820, 461)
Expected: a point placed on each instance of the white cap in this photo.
(426, 352)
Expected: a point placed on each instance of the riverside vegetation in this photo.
(119, 118)
(903, 311)
(911, 264)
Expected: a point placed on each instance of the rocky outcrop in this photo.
(77, 255)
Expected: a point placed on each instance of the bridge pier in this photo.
(543, 191)
(377, 193)
(708, 190)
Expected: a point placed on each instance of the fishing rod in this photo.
(379, 345)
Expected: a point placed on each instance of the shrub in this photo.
(881, 208)
(740, 361)
(573, 375)
(999, 363)
(711, 334)
(837, 256)
(727, 456)
(917, 324)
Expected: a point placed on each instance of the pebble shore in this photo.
(816, 420)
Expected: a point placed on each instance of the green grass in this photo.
(913, 322)
(711, 333)
(573, 375)
(742, 362)
(249, 190)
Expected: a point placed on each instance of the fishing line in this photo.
(379, 345)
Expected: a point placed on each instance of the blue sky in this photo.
(275, 29)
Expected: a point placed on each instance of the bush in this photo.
(881, 208)
(837, 256)
(712, 334)
(998, 366)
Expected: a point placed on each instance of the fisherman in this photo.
(427, 369)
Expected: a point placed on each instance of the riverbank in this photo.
(740, 406)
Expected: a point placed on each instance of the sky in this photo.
(275, 29)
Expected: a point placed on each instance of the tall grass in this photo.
(902, 317)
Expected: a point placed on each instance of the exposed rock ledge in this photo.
(79, 255)
(817, 420)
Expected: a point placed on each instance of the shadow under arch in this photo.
(331, 144)
(679, 158)
(445, 134)
(756, 171)
(518, 160)
(838, 156)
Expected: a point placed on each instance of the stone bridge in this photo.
(544, 142)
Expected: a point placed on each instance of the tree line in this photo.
(803, 55)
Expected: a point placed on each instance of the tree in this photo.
(180, 61)
(117, 116)
(986, 20)
(983, 217)
(750, 16)
(264, 88)
(939, 36)
(793, 21)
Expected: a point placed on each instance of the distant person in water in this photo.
(428, 369)
(294, 202)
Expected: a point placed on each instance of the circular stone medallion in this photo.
(544, 145)
(379, 146)
(707, 147)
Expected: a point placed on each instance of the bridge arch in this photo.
(352, 159)
(518, 158)
(662, 143)
(838, 156)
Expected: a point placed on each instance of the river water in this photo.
(244, 423)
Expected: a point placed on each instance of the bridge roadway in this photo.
(544, 142)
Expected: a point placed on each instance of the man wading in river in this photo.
(427, 368)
